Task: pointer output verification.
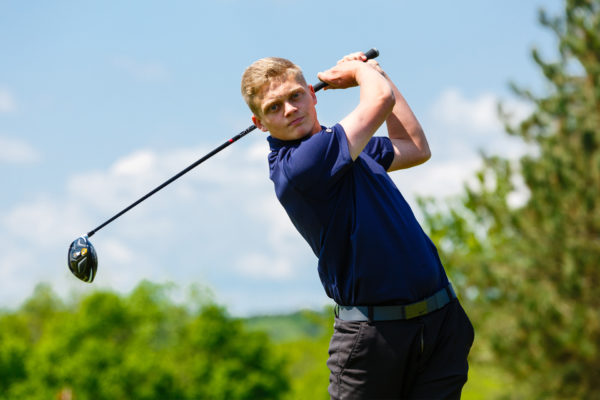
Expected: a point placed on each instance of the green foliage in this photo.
(141, 346)
(529, 274)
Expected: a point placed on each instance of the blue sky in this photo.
(102, 101)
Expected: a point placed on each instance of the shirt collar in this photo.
(276, 144)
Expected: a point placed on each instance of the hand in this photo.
(360, 56)
(343, 75)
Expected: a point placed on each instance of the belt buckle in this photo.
(415, 310)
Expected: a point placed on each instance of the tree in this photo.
(530, 273)
(142, 346)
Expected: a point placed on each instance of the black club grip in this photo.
(371, 53)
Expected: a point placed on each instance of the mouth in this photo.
(296, 122)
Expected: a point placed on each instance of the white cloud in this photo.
(43, 222)
(13, 261)
(126, 180)
(118, 252)
(262, 266)
(137, 163)
(479, 114)
(439, 179)
(15, 275)
(457, 129)
(7, 102)
(454, 110)
(15, 151)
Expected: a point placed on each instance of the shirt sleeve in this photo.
(380, 149)
(318, 162)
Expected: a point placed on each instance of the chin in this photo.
(294, 134)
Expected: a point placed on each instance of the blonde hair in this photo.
(263, 71)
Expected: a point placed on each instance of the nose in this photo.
(289, 108)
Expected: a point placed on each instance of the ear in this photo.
(313, 94)
(258, 124)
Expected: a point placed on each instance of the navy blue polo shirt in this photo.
(370, 247)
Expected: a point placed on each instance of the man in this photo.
(399, 330)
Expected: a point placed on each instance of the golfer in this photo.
(400, 332)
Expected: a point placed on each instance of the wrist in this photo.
(362, 72)
(367, 73)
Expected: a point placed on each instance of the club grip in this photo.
(371, 53)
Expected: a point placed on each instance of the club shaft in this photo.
(174, 178)
(372, 53)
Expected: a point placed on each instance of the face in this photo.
(287, 109)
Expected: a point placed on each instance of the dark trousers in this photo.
(420, 358)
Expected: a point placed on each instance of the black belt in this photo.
(389, 313)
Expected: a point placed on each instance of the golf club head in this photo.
(83, 261)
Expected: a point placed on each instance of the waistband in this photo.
(389, 313)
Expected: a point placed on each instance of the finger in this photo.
(359, 55)
(326, 76)
(330, 79)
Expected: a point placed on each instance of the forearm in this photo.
(377, 99)
(405, 131)
(375, 105)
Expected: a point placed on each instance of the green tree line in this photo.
(140, 346)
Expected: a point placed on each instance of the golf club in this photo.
(82, 257)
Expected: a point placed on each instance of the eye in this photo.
(271, 108)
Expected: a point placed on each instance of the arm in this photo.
(407, 136)
(376, 98)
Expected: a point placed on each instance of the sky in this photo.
(102, 101)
